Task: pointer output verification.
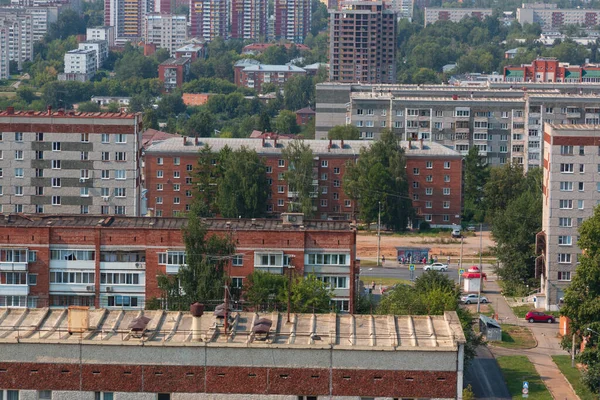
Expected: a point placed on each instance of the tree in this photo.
(88, 106)
(242, 187)
(299, 177)
(286, 123)
(264, 289)
(475, 175)
(26, 94)
(298, 92)
(264, 122)
(149, 118)
(202, 277)
(200, 124)
(67, 24)
(275, 55)
(378, 179)
(170, 104)
(346, 132)
(504, 184)
(310, 295)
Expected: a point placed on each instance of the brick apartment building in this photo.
(548, 69)
(174, 72)
(434, 174)
(253, 75)
(115, 261)
(183, 355)
(58, 162)
(570, 194)
(432, 14)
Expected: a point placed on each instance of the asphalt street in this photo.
(485, 377)
(395, 270)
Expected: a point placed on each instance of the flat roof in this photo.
(123, 222)
(305, 331)
(64, 114)
(319, 147)
(175, 61)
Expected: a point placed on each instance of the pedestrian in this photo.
(448, 260)
(383, 259)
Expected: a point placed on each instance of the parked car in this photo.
(456, 233)
(472, 298)
(538, 316)
(436, 267)
(471, 228)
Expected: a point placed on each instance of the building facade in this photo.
(570, 193)
(434, 174)
(548, 16)
(208, 19)
(194, 51)
(432, 15)
(127, 18)
(173, 72)
(292, 20)
(20, 36)
(255, 75)
(254, 356)
(101, 49)
(249, 19)
(70, 163)
(362, 45)
(80, 65)
(116, 261)
(167, 31)
(403, 8)
(505, 123)
(102, 33)
(551, 70)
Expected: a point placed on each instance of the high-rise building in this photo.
(102, 33)
(70, 163)
(403, 8)
(570, 194)
(292, 20)
(20, 36)
(249, 19)
(127, 17)
(362, 37)
(4, 61)
(208, 19)
(167, 31)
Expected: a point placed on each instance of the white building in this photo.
(167, 31)
(101, 33)
(80, 65)
(4, 61)
(100, 47)
(43, 17)
(549, 17)
(403, 8)
(433, 15)
(20, 36)
(570, 193)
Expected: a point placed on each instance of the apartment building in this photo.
(208, 19)
(548, 16)
(42, 18)
(102, 33)
(505, 124)
(255, 75)
(167, 31)
(570, 193)
(362, 46)
(173, 72)
(80, 65)
(403, 8)
(100, 47)
(255, 355)
(20, 36)
(4, 44)
(548, 69)
(432, 15)
(127, 18)
(115, 261)
(58, 162)
(249, 19)
(193, 50)
(292, 20)
(433, 171)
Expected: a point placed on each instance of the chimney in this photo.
(263, 141)
(10, 110)
(275, 141)
(184, 138)
(196, 310)
(342, 143)
(421, 143)
(49, 110)
(196, 140)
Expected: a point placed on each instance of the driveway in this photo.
(485, 377)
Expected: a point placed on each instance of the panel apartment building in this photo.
(570, 193)
(292, 20)
(432, 15)
(167, 31)
(249, 19)
(434, 174)
(548, 16)
(505, 124)
(362, 46)
(115, 261)
(69, 163)
(208, 19)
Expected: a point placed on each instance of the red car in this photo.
(537, 316)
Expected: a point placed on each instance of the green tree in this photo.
(149, 118)
(275, 55)
(378, 179)
(476, 173)
(202, 277)
(286, 123)
(88, 106)
(299, 158)
(298, 92)
(242, 187)
(204, 177)
(264, 122)
(170, 104)
(200, 124)
(310, 295)
(68, 23)
(346, 132)
(26, 94)
(265, 290)
(504, 184)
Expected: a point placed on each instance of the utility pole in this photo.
(462, 241)
(289, 294)
(379, 234)
(480, 267)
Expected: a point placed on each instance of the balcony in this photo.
(573, 115)
(13, 266)
(14, 290)
(172, 269)
(118, 288)
(118, 265)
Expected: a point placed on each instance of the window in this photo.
(56, 200)
(119, 278)
(159, 173)
(564, 275)
(446, 178)
(429, 164)
(415, 185)
(580, 204)
(105, 210)
(281, 163)
(336, 170)
(56, 182)
(55, 164)
(39, 190)
(105, 174)
(84, 209)
(324, 163)
(565, 204)
(104, 396)
(566, 186)
(121, 138)
(446, 164)
(581, 168)
(446, 204)
(280, 189)
(336, 183)
(120, 192)
(581, 150)
(19, 173)
(566, 150)
(415, 171)
(120, 174)
(105, 138)
(84, 155)
(120, 156)
(564, 241)
(163, 396)
(323, 202)
(159, 200)
(428, 204)
(189, 167)
(280, 203)
(566, 168)
(446, 191)
(429, 191)
(176, 200)
(428, 217)
(18, 154)
(120, 210)
(565, 222)
(85, 137)
(429, 178)
(326, 259)
(176, 187)
(347, 203)
(105, 156)
(159, 161)
(324, 177)
(18, 190)
(564, 258)
(39, 136)
(84, 174)
(237, 260)
(336, 196)
(84, 192)
(55, 146)
(39, 155)
(269, 169)
(18, 136)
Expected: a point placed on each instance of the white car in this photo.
(436, 267)
(472, 298)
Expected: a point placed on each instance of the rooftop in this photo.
(175, 61)
(317, 331)
(266, 147)
(152, 135)
(121, 222)
(273, 68)
(11, 113)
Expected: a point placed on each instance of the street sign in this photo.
(461, 271)
(525, 393)
(411, 267)
(525, 385)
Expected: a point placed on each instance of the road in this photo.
(394, 270)
(485, 377)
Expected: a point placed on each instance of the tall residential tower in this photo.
(248, 19)
(292, 20)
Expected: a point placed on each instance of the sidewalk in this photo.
(547, 345)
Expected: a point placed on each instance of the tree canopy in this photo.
(346, 132)
(299, 176)
(476, 173)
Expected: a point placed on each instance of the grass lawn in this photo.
(517, 369)
(573, 375)
(515, 337)
(520, 311)
(383, 281)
